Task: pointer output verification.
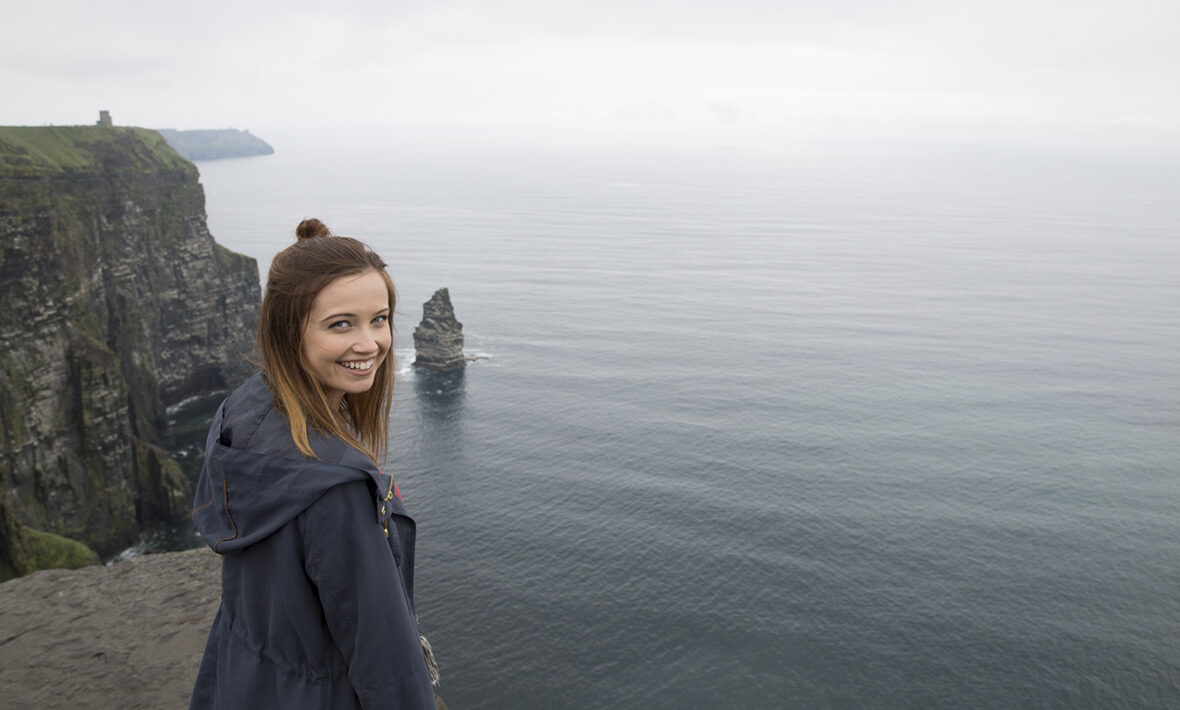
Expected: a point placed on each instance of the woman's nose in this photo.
(367, 341)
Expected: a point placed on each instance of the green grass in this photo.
(38, 550)
(39, 149)
(49, 551)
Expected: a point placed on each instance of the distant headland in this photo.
(206, 144)
(215, 143)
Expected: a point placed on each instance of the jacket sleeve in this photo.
(347, 557)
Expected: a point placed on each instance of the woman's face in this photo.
(347, 334)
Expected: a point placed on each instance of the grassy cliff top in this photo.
(30, 150)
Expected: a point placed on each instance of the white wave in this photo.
(172, 410)
(404, 360)
(138, 550)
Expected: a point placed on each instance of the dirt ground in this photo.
(128, 636)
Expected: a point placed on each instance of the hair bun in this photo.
(312, 228)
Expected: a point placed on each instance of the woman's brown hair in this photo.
(297, 275)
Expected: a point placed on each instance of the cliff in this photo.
(438, 339)
(216, 143)
(115, 302)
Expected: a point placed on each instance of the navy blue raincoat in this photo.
(317, 577)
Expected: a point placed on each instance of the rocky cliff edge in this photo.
(127, 636)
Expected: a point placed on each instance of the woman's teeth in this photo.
(359, 364)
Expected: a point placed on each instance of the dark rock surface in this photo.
(438, 339)
(115, 302)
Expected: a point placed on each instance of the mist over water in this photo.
(841, 427)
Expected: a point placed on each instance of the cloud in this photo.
(743, 68)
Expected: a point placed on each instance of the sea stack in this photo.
(438, 339)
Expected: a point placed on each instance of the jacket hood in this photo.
(254, 479)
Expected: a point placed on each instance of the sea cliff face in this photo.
(115, 302)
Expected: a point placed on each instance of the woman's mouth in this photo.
(358, 366)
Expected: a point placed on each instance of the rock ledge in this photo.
(127, 636)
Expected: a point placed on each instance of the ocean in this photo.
(835, 426)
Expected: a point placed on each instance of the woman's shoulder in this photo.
(248, 417)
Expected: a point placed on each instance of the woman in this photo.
(317, 600)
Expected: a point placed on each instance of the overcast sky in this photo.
(742, 70)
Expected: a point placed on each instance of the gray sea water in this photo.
(834, 427)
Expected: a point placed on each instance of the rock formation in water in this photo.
(216, 143)
(114, 303)
(438, 339)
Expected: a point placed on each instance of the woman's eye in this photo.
(379, 320)
(339, 325)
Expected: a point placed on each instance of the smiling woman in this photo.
(321, 286)
(317, 601)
